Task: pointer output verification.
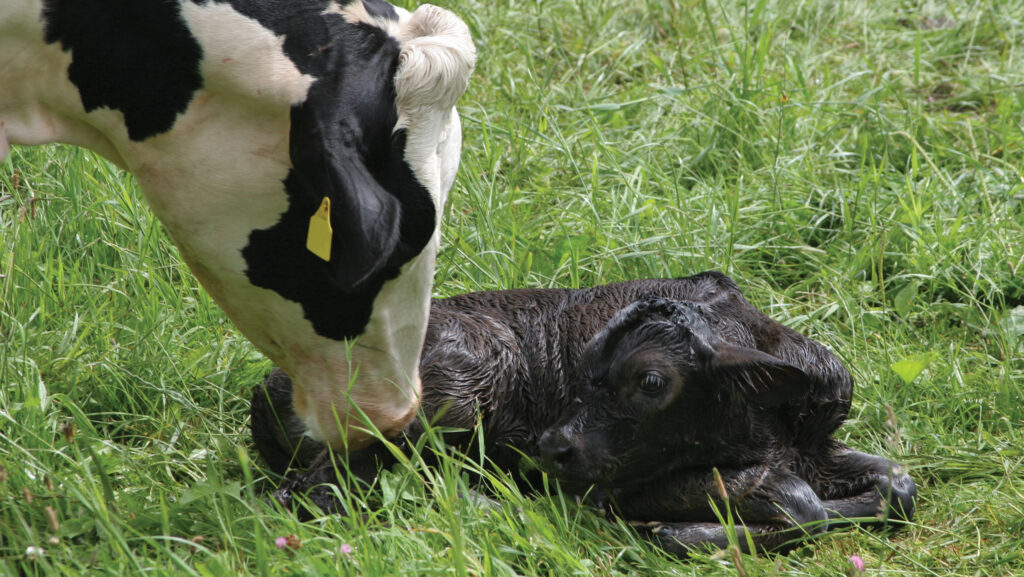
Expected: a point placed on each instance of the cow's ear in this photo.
(364, 216)
(763, 378)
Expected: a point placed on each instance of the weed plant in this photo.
(855, 166)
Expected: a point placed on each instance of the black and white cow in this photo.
(246, 120)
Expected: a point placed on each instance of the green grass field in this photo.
(855, 166)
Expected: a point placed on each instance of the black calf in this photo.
(643, 389)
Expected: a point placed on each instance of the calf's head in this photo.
(662, 389)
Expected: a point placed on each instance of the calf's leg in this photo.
(327, 478)
(774, 508)
(855, 485)
(279, 436)
(277, 432)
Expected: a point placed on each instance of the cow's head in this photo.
(241, 120)
(662, 390)
(378, 140)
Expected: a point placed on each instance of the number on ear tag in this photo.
(318, 240)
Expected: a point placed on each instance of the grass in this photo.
(856, 166)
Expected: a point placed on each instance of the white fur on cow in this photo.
(238, 117)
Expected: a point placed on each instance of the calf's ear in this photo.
(598, 350)
(760, 377)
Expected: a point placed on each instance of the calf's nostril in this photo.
(562, 454)
(556, 450)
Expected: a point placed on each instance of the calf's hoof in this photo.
(899, 497)
(310, 503)
(312, 492)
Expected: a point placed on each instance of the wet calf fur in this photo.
(642, 389)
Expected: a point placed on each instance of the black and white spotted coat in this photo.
(238, 117)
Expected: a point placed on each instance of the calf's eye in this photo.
(652, 383)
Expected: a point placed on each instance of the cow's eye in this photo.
(652, 383)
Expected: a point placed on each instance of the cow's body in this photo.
(237, 118)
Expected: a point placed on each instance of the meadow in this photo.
(855, 166)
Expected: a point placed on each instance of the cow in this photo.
(298, 152)
(666, 401)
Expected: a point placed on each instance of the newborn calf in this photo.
(643, 389)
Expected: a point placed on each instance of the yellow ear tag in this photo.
(318, 239)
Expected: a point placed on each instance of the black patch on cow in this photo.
(342, 146)
(380, 9)
(278, 259)
(135, 56)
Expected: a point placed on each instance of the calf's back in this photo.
(514, 357)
